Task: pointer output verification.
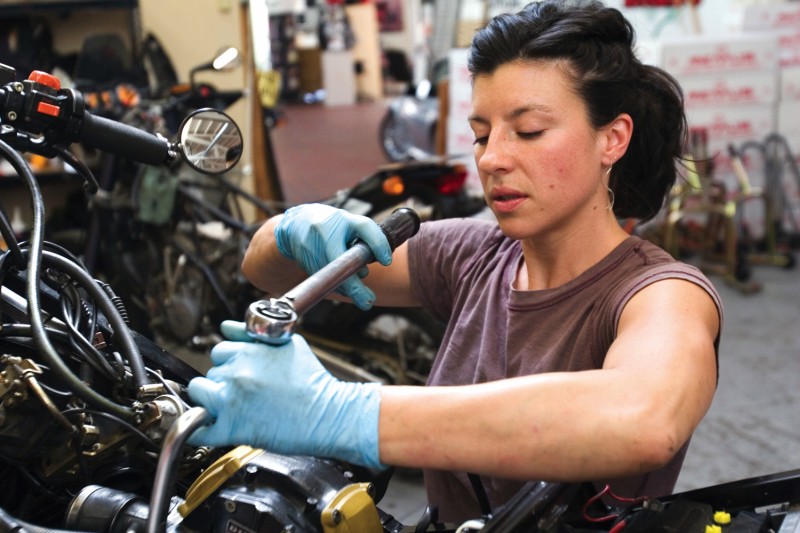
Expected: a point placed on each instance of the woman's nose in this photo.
(494, 156)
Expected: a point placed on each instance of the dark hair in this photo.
(597, 44)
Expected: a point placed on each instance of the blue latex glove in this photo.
(316, 234)
(282, 399)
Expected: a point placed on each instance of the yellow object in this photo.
(713, 529)
(722, 518)
(217, 474)
(352, 510)
(268, 86)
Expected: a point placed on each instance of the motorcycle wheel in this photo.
(394, 138)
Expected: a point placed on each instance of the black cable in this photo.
(480, 494)
(34, 267)
(121, 331)
(7, 231)
(90, 184)
(82, 346)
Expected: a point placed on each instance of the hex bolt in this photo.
(230, 506)
(12, 116)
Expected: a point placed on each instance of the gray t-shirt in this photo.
(462, 272)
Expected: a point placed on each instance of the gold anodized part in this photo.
(217, 474)
(352, 510)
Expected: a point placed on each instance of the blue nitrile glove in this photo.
(282, 399)
(316, 234)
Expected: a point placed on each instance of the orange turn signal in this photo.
(394, 186)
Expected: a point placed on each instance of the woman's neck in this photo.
(551, 263)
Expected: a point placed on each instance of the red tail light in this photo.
(452, 182)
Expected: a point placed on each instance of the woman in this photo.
(573, 351)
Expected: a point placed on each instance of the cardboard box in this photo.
(460, 141)
(730, 89)
(705, 55)
(790, 84)
(788, 118)
(772, 17)
(789, 49)
(735, 124)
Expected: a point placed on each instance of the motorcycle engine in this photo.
(248, 490)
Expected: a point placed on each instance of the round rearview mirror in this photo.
(210, 141)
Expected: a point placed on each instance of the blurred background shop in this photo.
(327, 93)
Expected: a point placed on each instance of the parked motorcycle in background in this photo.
(408, 129)
(129, 237)
(172, 241)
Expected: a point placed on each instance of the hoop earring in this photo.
(610, 206)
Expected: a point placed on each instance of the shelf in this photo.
(32, 6)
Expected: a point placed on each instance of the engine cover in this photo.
(275, 493)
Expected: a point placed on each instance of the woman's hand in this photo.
(315, 234)
(282, 399)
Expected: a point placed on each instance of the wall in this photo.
(411, 39)
(192, 32)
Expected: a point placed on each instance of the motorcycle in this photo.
(133, 219)
(408, 129)
(95, 420)
(172, 240)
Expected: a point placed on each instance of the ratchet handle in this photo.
(273, 321)
(400, 226)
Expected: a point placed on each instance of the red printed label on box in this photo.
(789, 49)
(731, 54)
(730, 89)
(733, 123)
(790, 83)
(778, 17)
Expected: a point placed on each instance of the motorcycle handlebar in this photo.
(123, 140)
(42, 116)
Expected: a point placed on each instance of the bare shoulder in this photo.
(672, 299)
(675, 318)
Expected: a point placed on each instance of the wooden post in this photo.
(266, 182)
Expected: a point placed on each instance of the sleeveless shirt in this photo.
(462, 271)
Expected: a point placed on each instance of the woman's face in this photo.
(540, 161)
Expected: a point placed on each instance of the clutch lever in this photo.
(273, 321)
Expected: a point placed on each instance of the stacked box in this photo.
(731, 85)
(459, 135)
(783, 20)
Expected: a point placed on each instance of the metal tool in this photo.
(273, 321)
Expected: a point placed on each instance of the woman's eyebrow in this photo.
(516, 113)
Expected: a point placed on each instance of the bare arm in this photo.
(266, 268)
(628, 418)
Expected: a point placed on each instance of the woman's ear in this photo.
(617, 136)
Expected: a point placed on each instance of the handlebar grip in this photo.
(123, 140)
(400, 226)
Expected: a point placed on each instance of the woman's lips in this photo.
(506, 200)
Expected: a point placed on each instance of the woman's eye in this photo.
(481, 140)
(530, 134)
